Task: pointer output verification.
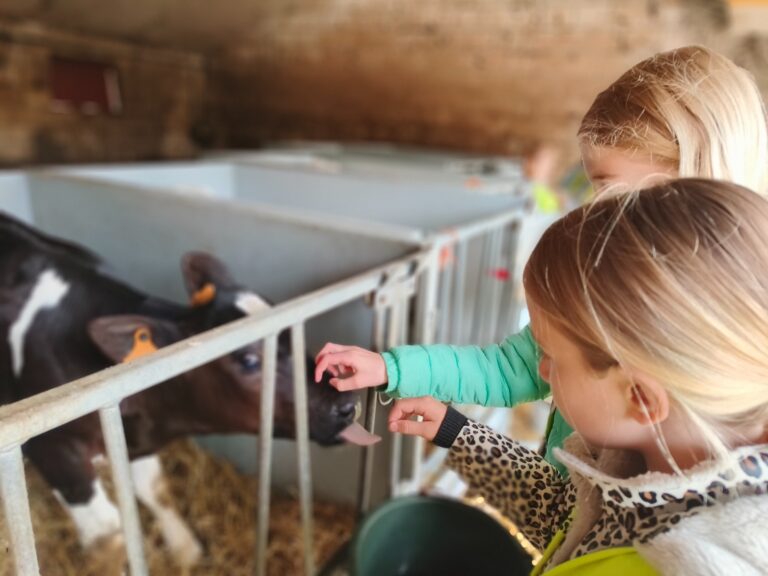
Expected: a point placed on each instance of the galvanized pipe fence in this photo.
(441, 313)
(102, 392)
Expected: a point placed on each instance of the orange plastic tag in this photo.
(204, 296)
(142, 345)
(473, 182)
(446, 257)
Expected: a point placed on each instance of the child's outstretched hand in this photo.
(352, 367)
(432, 411)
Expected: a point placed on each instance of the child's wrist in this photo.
(391, 373)
(450, 428)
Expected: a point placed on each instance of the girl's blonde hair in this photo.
(671, 281)
(691, 109)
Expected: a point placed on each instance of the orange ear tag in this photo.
(142, 345)
(204, 296)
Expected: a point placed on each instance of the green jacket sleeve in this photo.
(498, 375)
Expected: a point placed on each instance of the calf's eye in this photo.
(249, 362)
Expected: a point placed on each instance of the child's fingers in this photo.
(329, 348)
(424, 429)
(327, 360)
(399, 411)
(348, 383)
(407, 407)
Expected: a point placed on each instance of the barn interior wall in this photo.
(162, 92)
(488, 76)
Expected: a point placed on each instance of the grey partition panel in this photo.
(14, 195)
(207, 179)
(426, 206)
(498, 174)
(143, 234)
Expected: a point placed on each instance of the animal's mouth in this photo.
(356, 433)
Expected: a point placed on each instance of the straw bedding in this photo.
(217, 502)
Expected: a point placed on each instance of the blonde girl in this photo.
(651, 312)
(688, 112)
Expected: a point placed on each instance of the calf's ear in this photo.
(125, 338)
(204, 275)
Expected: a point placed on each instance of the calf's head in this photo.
(225, 394)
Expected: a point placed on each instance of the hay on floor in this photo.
(217, 502)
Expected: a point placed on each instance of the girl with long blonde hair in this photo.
(651, 312)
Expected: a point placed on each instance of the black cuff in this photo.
(452, 424)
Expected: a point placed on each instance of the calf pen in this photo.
(476, 231)
(482, 231)
(103, 391)
(141, 233)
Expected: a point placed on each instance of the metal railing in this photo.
(102, 392)
(441, 305)
(444, 315)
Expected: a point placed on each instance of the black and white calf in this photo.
(62, 316)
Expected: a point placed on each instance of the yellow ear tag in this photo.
(204, 296)
(142, 345)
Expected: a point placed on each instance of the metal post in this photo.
(459, 281)
(117, 450)
(366, 465)
(494, 300)
(302, 443)
(427, 300)
(444, 324)
(481, 299)
(510, 306)
(265, 450)
(393, 332)
(13, 489)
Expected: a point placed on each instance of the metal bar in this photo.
(479, 227)
(427, 299)
(416, 443)
(265, 450)
(393, 333)
(405, 310)
(366, 464)
(13, 489)
(302, 443)
(478, 319)
(42, 412)
(444, 323)
(510, 305)
(459, 281)
(427, 313)
(493, 306)
(117, 450)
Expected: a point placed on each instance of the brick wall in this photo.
(162, 95)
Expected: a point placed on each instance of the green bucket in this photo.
(428, 536)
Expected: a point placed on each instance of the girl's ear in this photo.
(647, 400)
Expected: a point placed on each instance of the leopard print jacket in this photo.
(617, 504)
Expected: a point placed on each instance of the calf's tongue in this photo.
(355, 433)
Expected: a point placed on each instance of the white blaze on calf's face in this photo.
(48, 291)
